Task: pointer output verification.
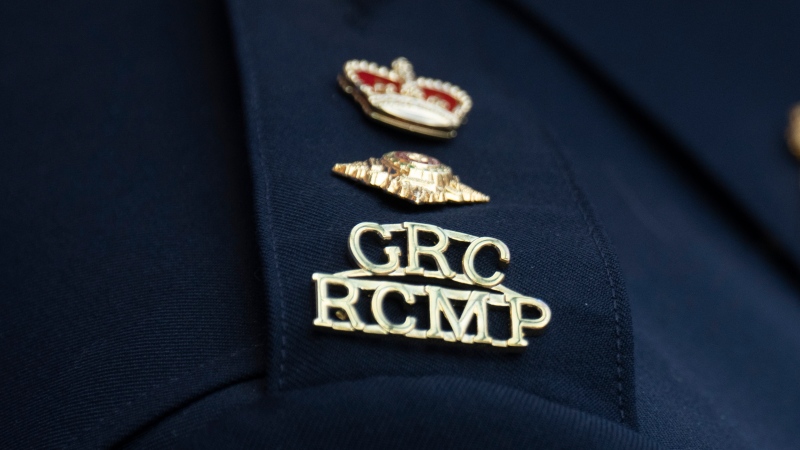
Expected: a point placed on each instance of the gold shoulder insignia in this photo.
(412, 176)
(399, 98)
(337, 295)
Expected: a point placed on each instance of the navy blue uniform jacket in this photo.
(166, 194)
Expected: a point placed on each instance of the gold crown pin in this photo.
(399, 98)
(412, 176)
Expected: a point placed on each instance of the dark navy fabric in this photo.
(153, 296)
(719, 75)
(418, 412)
(130, 277)
(714, 310)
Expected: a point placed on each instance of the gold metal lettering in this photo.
(435, 251)
(476, 302)
(518, 323)
(475, 307)
(393, 253)
(377, 308)
(469, 261)
(325, 303)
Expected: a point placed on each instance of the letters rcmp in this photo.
(339, 294)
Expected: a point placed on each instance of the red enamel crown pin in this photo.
(399, 98)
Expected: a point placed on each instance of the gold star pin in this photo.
(399, 98)
(412, 176)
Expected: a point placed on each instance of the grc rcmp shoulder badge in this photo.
(399, 98)
(464, 310)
